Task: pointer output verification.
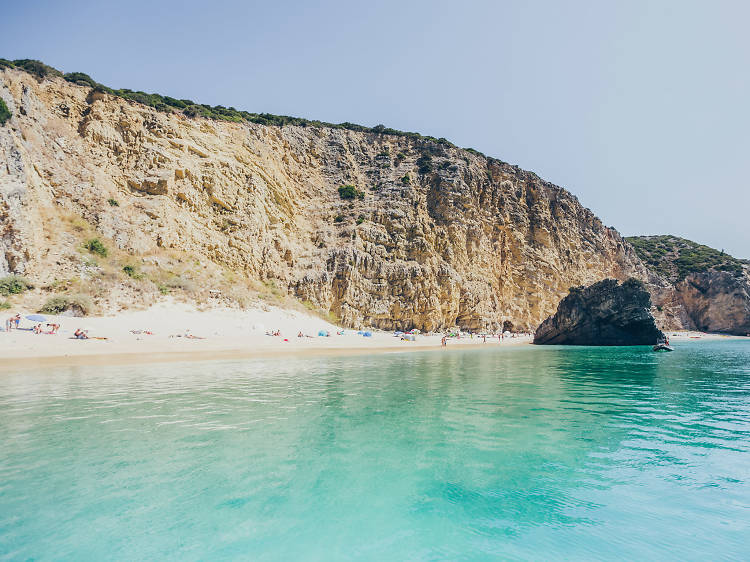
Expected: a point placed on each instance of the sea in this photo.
(522, 453)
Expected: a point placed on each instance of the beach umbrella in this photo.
(36, 318)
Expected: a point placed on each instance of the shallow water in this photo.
(530, 453)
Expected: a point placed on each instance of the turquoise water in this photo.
(524, 453)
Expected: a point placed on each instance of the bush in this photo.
(81, 79)
(360, 219)
(132, 272)
(37, 68)
(95, 246)
(4, 305)
(78, 305)
(406, 180)
(350, 192)
(338, 218)
(4, 112)
(425, 164)
(113, 202)
(14, 285)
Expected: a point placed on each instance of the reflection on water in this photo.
(517, 453)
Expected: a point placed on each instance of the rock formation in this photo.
(717, 301)
(440, 237)
(709, 287)
(605, 313)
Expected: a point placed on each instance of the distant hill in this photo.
(675, 258)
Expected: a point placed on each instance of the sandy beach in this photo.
(172, 331)
(179, 332)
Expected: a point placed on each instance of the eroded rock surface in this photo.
(465, 240)
(717, 301)
(605, 313)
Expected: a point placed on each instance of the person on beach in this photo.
(80, 335)
(17, 320)
(444, 341)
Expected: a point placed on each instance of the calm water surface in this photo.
(527, 453)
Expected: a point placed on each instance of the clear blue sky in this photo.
(640, 108)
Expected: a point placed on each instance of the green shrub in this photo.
(425, 164)
(81, 79)
(132, 272)
(338, 218)
(4, 305)
(350, 192)
(79, 305)
(360, 219)
(406, 180)
(4, 112)
(113, 202)
(14, 285)
(95, 246)
(37, 68)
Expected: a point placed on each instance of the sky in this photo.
(641, 108)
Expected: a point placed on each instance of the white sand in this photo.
(227, 333)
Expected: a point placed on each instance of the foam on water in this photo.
(513, 453)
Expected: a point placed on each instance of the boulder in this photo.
(604, 313)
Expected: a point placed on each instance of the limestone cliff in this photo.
(710, 287)
(439, 237)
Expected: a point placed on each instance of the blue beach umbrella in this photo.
(36, 318)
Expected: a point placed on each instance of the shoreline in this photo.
(138, 357)
(173, 332)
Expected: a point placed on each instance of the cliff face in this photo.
(605, 313)
(717, 301)
(440, 237)
(710, 288)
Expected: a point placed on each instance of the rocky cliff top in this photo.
(675, 258)
(605, 313)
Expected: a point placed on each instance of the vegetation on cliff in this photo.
(194, 109)
(675, 258)
(427, 236)
(14, 285)
(4, 112)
